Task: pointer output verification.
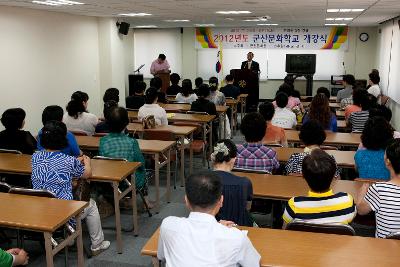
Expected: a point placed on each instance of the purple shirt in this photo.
(156, 67)
(256, 157)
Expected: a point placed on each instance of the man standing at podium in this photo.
(249, 64)
(160, 65)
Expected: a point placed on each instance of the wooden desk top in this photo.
(282, 187)
(291, 248)
(340, 113)
(14, 163)
(231, 102)
(331, 104)
(178, 130)
(198, 118)
(186, 107)
(243, 95)
(345, 139)
(343, 158)
(112, 170)
(146, 146)
(37, 213)
(341, 124)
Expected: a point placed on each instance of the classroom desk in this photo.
(46, 215)
(340, 114)
(308, 98)
(233, 103)
(344, 159)
(105, 171)
(331, 104)
(341, 125)
(243, 103)
(334, 139)
(286, 248)
(150, 147)
(281, 187)
(181, 132)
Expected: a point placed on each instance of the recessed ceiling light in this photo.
(233, 12)
(267, 24)
(145, 26)
(335, 24)
(339, 19)
(252, 20)
(347, 18)
(344, 10)
(177, 20)
(204, 25)
(134, 14)
(332, 10)
(57, 2)
(329, 19)
(357, 10)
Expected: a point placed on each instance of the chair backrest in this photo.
(273, 145)
(132, 109)
(32, 192)
(151, 134)
(338, 229)
(11, 151)
(79, 133)
(4, 187)
(328, 148)
(395, 235)
(250, 170)
(234, 208)
(197, 112)
(99, 134)
(109, 158)
(384, 99)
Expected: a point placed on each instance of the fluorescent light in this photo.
(339, 19)
(145, 26)
(357, 10)
(347, 18)
(134, 14)
(332, 10)
(251, 20)
(335, 24)
(344, 10)
(57, 2)
(204, 25)
(329, 19)
(233, 12)
(177, 20)
(267, 24)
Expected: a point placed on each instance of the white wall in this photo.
(45, 56)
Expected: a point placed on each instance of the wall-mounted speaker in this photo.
(123, 27)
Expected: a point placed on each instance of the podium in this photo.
(165, 81)
(132, 78)
(248, 82)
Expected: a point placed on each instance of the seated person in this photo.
(253, 155)
(156, 82)
(325, 91)
(312, 135)
(152, 108)
(186, 95)
(284, 117)
(321, 205)
(273, 134)
(358, 119)
(237, 202)
(292, 100)
(215, 96)
(386, 113)
(321, 112)
(358, 95)
(188, 242)
(119, 145)
(373, 81)
(13, 257)
(53, 170)
(136, 100)
(13, 137)
(370, 162)
(230, 90)
(348, 82)
(384, 198)
(111, 94)
(55, 113)
(77, 118)
(103, 126)
(197, 82)
(174, 88)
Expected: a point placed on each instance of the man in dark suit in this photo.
(250, 64)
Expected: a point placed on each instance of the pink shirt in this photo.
(156, 67)
(292, 102)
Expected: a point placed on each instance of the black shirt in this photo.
(230, 90)
(204, 105)
(134, 101)
(22, 141)
(174, 89)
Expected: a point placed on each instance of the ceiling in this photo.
(283, 12)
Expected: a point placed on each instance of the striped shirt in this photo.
(384, 199)
(256, 157)
(321, 208)
(358, 119)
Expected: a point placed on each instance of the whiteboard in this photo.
(232, 59)
(329, 62)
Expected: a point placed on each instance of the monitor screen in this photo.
(300, 63)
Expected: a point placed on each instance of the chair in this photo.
(10, 151)
(384, 100)
(4, 187)
(235, 206)
(251, 171)
(126, 180)
(303, 226)
(99, 134)
(273, 145)
(79, 133)
(395, 235)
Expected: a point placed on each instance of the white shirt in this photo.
(160, 115)
(200, 240)
(86, 122)
(374, 90)
(186, 99)
(284, 118)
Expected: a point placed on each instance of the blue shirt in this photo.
(332, 122)
(371, 164)
(54, 171)
(72, 149)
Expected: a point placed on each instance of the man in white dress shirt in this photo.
(200, 240)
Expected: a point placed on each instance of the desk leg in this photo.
(211, 137)
(205, 142)
(134, 206)
(221, 125)
(157, 181)
(169, 176)
(191, 154)
(79, 242)
(117, 217)
(232, 111)
(182, 150)
(49, 249)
